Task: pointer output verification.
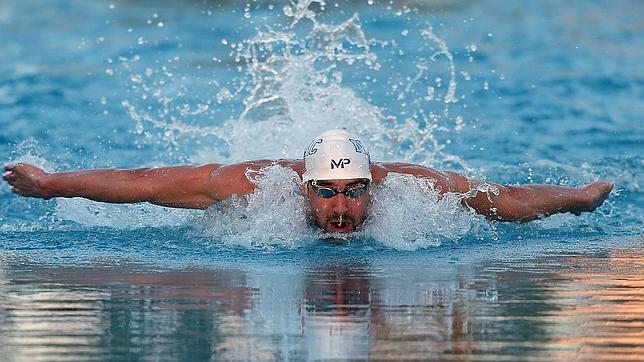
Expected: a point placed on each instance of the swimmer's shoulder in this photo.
(257, 165)
(295, 165)
(380, 170)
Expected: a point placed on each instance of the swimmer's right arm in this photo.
(194, 187)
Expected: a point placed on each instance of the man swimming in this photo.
(336, 173)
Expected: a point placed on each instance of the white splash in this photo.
(293, 88)
(408, 213)
(275, 214)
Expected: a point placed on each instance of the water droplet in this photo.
(223, 95)
(459, 123)
(430, 93)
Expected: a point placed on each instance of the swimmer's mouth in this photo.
(340, 225)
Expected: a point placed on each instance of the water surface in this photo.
(514, 93)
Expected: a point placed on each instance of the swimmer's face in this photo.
(345, 204)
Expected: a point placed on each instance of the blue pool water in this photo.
(539, 92)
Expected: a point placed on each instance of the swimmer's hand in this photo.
(593, 196)
(26, 180)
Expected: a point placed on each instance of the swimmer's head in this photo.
(336, 155)
(337, 177)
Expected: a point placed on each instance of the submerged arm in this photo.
(529, 202)
(195, 187)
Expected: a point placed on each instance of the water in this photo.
(515, 93)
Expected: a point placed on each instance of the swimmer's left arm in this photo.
(528, 202)
(506, 203)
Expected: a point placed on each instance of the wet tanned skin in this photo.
(338, 213)
(199, 187)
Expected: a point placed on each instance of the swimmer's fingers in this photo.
(9, 176)
(19, 167)
(26, 190)
(598, 192)
(11, 172)
(21, 192)
(24, 179)
(24, 170)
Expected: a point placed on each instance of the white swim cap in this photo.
(335, 155)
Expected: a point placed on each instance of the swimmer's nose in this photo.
(340, 203)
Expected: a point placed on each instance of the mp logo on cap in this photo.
(340, 163)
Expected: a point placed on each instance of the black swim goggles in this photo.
(352, 192)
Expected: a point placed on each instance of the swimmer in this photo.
(336, 174)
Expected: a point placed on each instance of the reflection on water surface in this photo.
(561, 307)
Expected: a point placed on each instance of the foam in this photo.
(408, 213)
(274, 215)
